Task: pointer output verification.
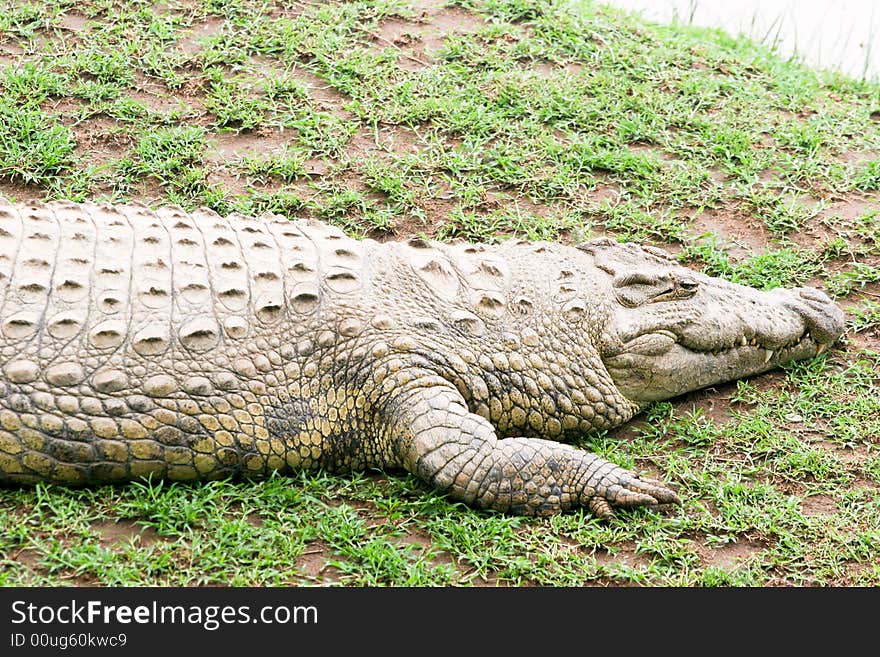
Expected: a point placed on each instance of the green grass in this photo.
(33, 148)
(542, 120)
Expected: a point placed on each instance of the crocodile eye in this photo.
(687, 287)
(638, 288)
(680, 287)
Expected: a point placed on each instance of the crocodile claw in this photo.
(622, 488)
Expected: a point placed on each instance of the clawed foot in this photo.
(620, 487)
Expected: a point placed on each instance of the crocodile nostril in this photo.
(821, 317)
(813, 294)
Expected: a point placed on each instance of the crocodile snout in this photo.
(822, 317)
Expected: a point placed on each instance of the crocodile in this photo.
(139, 342)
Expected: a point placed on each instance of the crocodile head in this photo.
(672, 330)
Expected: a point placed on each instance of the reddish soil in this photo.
(191, 43)
(419, 40)
(120, 532)
(743, 235)
(730, 555)
(313, 564)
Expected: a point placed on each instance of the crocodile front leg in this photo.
(440, 441)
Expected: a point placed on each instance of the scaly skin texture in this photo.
(138, 342)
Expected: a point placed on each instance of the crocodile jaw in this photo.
(660, 356)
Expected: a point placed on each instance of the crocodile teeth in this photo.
(744, 342)
(821, 347)
(768, 356)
